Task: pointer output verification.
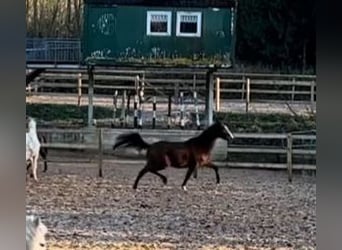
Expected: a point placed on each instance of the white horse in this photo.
(32, 146)
(35, 233)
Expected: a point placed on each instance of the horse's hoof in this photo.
(184, 188)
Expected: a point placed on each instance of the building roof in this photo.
(168, 3)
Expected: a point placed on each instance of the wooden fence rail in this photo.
(251, 88)
(101, 139)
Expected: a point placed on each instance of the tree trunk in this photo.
(304, 58)
(35, 17)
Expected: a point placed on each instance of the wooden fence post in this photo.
(243, 88)
(248, 91)
(100, 134)
(79, 89)
(90, 95)
(218, 94)
(293, 89)
(289, 156)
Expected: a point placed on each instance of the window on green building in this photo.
(189, 24)
(158, 23)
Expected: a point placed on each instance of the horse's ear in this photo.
(36, 222)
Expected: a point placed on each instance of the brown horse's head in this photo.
(223, 131)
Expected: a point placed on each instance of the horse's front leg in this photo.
(213, 166)
(191, 168)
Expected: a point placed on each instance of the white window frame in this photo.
(199, 24)
(148, 23)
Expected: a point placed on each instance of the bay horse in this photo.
(192, 153)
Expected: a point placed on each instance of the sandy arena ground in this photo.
(251, 209)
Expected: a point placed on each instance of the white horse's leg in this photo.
(34, 167)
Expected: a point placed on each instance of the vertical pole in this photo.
(243, 88)
(154, 112)
(218, 94)
(115, 102)
(79, 89)
(169, 112)
(248, 86)
(142, 88)
(312, 94)
(140, 114)
(29, 89)
(123, 109)
(194, 82)
(128, 101)
(135, 111)
(198, 124)
(293, 89)
(289, 156)
(209, 100)
(100, 134)
(182, 110)
(90, 95)
(176, 92)
(128, 107)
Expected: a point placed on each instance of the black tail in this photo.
(131, 140)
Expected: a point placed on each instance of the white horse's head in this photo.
(31, 123)
(35, 233)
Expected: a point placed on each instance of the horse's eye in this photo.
(42, 244)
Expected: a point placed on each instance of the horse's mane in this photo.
(206, 138)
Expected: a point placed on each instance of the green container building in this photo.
(176, 33)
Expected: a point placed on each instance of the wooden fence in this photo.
(245, 87)
(101, 140)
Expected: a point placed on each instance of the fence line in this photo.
(232, 86)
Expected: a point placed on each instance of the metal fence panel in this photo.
(53, 50)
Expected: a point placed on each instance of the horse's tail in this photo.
(131, 140)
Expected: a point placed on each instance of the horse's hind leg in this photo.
(141, 174)
(195, 173)
(164, 179)
(43, 154)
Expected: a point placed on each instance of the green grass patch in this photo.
(54, 112)
(276, 123)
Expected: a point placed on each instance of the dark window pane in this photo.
(158, 26)
(188, 27)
